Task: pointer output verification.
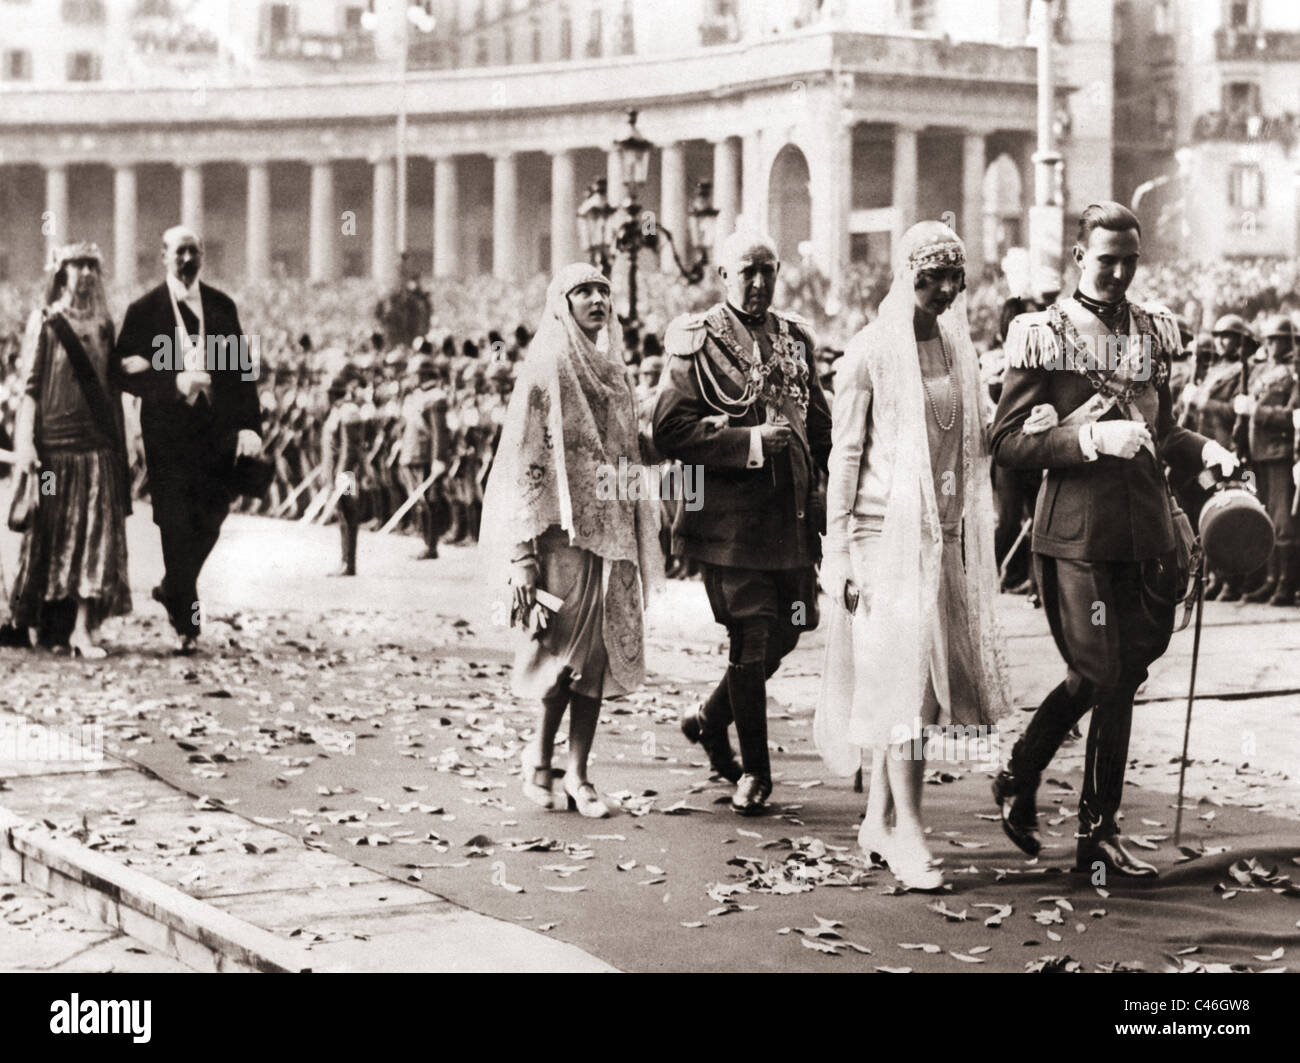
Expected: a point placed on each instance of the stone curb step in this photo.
(180, 926)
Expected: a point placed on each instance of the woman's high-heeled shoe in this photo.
(909, 862)
(870, 837)
(583, 797)
(90, 651)
(536, 781)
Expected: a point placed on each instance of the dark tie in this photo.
(190, 319)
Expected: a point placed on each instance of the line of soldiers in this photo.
(1245, 395)
(363, 445)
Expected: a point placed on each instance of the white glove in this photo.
(1243, 405)
(1213, 454)
(1295, 418)
(1040, 419)
(1120, 439)
(1295, 473)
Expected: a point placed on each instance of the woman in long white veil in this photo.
(908, 557)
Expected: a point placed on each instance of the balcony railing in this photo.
(1268, 45)
(1277, 129)
(320, 46)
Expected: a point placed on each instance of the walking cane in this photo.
(1191, 694)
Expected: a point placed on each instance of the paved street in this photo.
(350, 746)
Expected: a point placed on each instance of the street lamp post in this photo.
(422, 20)
(602, 238)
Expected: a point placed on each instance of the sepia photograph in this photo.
(525, 487)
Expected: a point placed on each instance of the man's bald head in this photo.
(745, 244)
(182, 253)
(748, 267)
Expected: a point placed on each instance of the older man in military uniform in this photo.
(1273, 394)
(1086, 397)
(740, 397)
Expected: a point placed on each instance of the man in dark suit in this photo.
(740, 398)
(1086, 397)
(184, 354)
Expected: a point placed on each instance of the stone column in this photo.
(753, 181)
(124, 225)
(973, 161)
(614, 178)
(726, 174)
(505, 215)
(192, 197)
(55, 222)
(257, 266)
(905, 179)
(830, 187)
(446, 217)
(564, 221)
(672, 203)
(383, 221)
(321, 252)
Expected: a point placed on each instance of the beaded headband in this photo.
(948, 255)
(61, 256)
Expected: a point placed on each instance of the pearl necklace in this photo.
(952, 409)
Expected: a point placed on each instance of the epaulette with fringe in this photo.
(685, 335)
(1165, 326)
(1030, 342)
(802, 322)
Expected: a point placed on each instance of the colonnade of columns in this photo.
(736, 163)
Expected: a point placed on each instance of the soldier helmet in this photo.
(651, 347)
(1230, 323)
(522, 336)
(1279, 325)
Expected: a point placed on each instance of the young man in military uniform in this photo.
(1210, 410)
(343, 462)
(1274, 393)
(425, 442)
(740, 397)
(1095, 412)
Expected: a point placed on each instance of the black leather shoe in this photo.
(750, 798)
(722, 758)
(1230, 594)
(1113, 856)
(1019, 812)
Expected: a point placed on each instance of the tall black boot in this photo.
(1052, 721)
(456, 533)
(348, 544)
(708, 726)
(1284, 593)
(747, 691)
(1103, 787)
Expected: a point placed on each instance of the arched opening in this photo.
(1003, 208)
(789, 203)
